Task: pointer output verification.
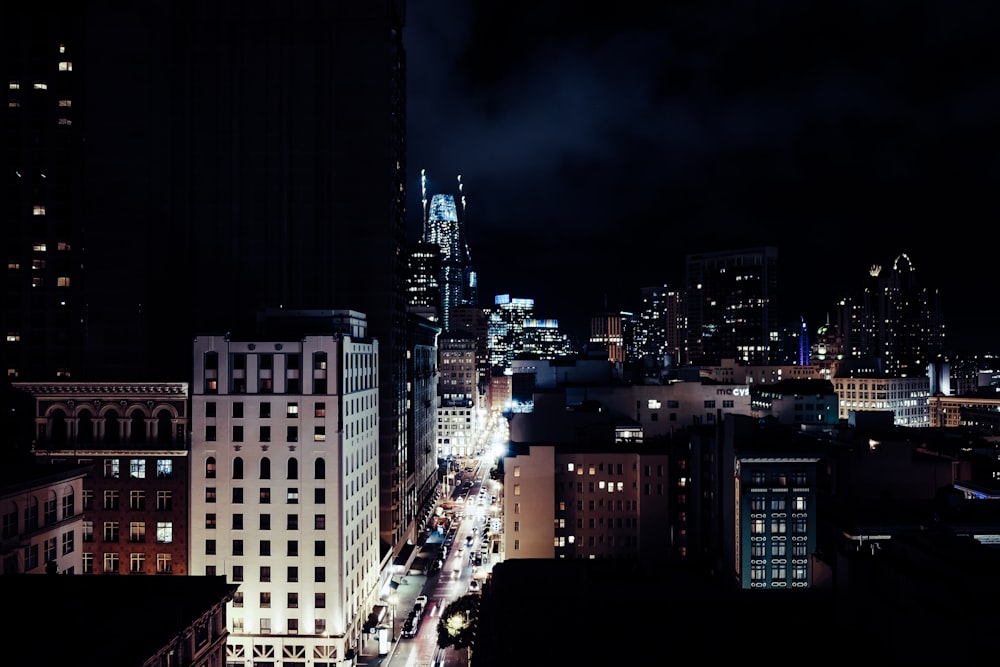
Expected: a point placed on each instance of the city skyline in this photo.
(601, 149)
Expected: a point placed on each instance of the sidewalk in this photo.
(409, 587)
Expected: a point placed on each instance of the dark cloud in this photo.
(598, 147)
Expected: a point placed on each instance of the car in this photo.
(420, 602)
(474, 586)
(411, 625)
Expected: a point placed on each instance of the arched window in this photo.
(265, 468)
(320, 469)
(138, 428)
(57, 432)
(293, 469)
(112, 427)
(210, 467)
(85, 427)
(238, 468)
(164, 428)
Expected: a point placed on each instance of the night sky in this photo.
(598, 147)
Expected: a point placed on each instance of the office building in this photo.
(285, 483)
(263, 142)
(505, 334)
(443, 228)
(459, 416)
(731, 305)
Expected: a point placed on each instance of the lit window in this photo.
(65, 103)
(64, 121)
(13, 337)
(38, 209)
(164, 532)
(37, 264)
(14, 85)
(40, 86)
(62, 281)
(65, 66)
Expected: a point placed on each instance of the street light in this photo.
(393, 599)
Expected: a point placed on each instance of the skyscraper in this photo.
(174, 167)
(442, 227)
(730, 305)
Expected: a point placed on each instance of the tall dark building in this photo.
(174, 167)
(730, 305)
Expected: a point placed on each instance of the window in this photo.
(210, 494)
(799, 503)
(265, 599)
(238, 433)
(320, 602)
(265, 574)
(238, 576)
(238, 468)
(137, 563)
(210, 521)
(164, 468)
(237, 547)
(293, 547)
(292, 434)
(265, 495)
(293, 626)
(265, 434)
(112, 468)
(210, 433)
(210, 547)
(136, 500)
(293, 577)
(265, 468)
(238, 410)
(137, 468)
(319, 548)
(137, 531)
(210, 409)
(293, 600)
(110, 531)
(292, 410)
(210, 468)
(110, 499)
(164, 500)
(164, 564)
(320, 626)
(67, 542)
(319, 433)
(292, 497)
(50, 550)
(293, 522)
(319, 522)
(319, 496)
(320, 410)
(265, 410)
(517, 489)
(110, 563)
(238, 495)
(88, 563)
(237, 522)
(238, 598)
(49, 512)
(265, 548)
(87, 499)
(320, 575)
(87, 531)
(164, 532)
(265, 522)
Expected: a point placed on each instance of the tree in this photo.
(458, 623)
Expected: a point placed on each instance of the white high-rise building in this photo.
(284, 490)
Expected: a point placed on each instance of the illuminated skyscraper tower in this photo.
(442, 227)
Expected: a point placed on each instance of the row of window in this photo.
(291, 549)
(799, 478)
(800, 526)
(779, 572)
(164, 468)
(264, 495)
(137, 531)
(778, 503)
(264, 409)
(264, 433)
(264, 468)
(136, 499)
(292, 629)
(319, 576)
(111, 563)
(9, 526)
(291, 600)
(49, 551)
(264, 523)
(778, 549)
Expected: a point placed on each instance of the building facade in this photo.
(134, 502)
(458, 414)
(285, 482)
(731, 305)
